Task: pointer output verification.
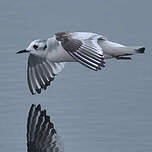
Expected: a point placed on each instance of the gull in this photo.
(41, 134)
(47, 57)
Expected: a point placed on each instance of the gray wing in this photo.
(87, 51)
(41, 72)
(41, 134)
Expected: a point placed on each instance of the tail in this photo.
(135, 49)
(122, 51)
(125, 51)
(140, 49)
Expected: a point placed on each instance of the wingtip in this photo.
(47, 118)
(33, 93)
(31, 109)
(43, 113)
(38, 107)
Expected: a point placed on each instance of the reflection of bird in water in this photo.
(41, 134)
(47, 57)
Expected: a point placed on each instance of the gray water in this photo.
(107, 111)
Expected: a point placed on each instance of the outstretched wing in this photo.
(41, 135)
(41, 72)
(86, 51)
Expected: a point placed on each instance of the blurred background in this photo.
(106, 111)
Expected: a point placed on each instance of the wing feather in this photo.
(41, 134)
(86, 51)
(30, 83)
(35, 80)
(40, 73)
(39, 77)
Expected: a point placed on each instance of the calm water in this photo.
(107, 111)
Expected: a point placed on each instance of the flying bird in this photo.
(41, 134)
(47, 57)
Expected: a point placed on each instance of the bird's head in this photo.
(35, 47)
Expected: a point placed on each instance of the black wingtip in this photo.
(33, 93)
(31, 109)
(47, 118)
(32, 105)
(38, 91)
(51, 125)
(38, 107)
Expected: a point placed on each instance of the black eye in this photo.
(35, 46)
(45, 46)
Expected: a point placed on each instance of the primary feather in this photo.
(41, 134)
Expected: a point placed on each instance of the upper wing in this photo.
(41, 72)
(86, 51)
(41, 135)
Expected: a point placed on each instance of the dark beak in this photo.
(22, 51)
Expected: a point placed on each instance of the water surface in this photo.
(106, 111)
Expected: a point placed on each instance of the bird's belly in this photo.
(59, 55)
(107, 56)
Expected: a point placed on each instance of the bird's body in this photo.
(47, 57)
(55, 52)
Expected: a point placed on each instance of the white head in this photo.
(35, 47)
